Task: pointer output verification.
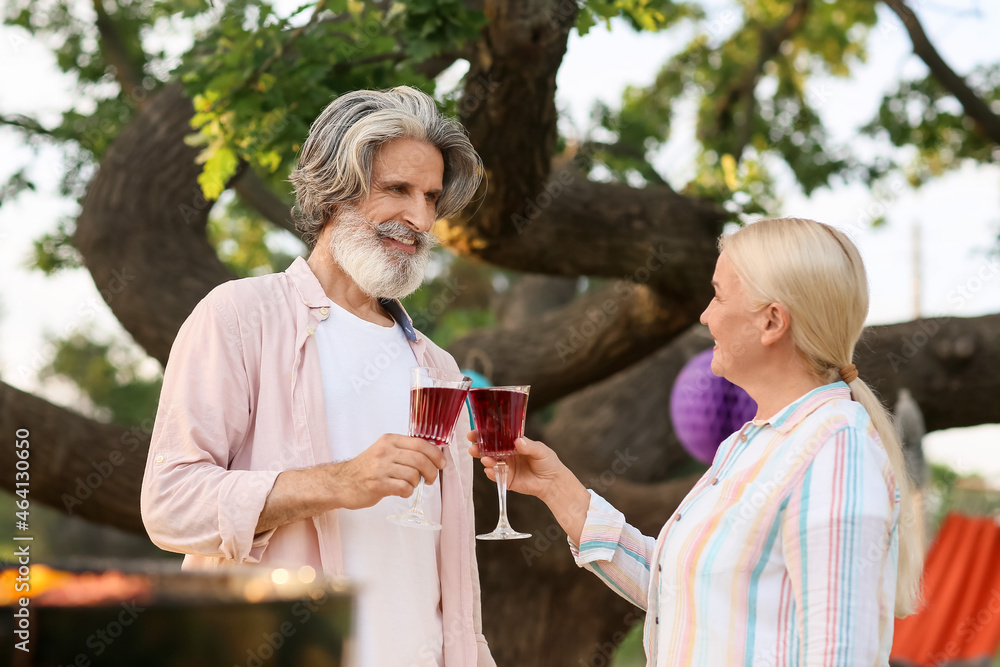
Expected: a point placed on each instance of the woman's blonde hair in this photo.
(816, 272)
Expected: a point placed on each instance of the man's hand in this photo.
(391, 467)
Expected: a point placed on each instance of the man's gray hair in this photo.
(335, 163)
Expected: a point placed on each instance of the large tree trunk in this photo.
(141, 231)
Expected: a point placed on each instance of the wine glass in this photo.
(436, 400)
(499, 414)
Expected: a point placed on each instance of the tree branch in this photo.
(579, 227)
(948, 364)
(622, 149)
(568, 226)
(975, 107)
(128, 74)
(628, 411)
(25, 123)
(141, 230)
(770, 45)
(531, 297)
(583, 342)
(89, 469)
(255, 193)
(509, 108)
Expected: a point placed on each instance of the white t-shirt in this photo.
(366, 388)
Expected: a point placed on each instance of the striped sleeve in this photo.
(615, 551)
(836, 529)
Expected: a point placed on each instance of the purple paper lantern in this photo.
(706, 409)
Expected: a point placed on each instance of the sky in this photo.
(958, 215)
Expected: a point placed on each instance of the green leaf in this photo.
(220, 166)
(585, 20)
(55, 251)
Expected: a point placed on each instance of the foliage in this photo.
(952, 492)
(245, 243)
(922, 114)
(102, 108)
(451, 304)
(261, 79)
(650, 15)
(109, 375)
(749, 74)
(54, 251)
(15, 185)
(630, 652)
(942, 484)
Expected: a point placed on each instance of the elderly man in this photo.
(277, 437)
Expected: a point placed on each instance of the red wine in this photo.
(434, 411)
(499, 415)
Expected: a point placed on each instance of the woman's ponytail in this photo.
(910, 567)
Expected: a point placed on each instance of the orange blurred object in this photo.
(40, 579)
(960, 620)
(49, 586)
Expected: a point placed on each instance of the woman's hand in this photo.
(535, 471)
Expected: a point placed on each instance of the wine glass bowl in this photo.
(436, 399)
(499, 413)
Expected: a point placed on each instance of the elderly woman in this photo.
(800, 543)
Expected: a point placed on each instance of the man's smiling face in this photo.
(384, 242)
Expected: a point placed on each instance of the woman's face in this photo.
(733, 325)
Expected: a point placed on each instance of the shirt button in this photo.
(310, 331)
(159, 459)
(659, 568)
(715, 480)
(743, 437)
(324, 311)
(657, 620)
(678, 516)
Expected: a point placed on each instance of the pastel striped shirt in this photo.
(784, 553)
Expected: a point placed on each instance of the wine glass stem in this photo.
(501, 470)
(418, 499)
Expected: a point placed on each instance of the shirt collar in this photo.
(793, 414)
(313, 296)
(307, 284)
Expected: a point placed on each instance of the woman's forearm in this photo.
(568, 500)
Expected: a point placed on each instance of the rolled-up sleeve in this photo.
(615, 551)
(191, 501)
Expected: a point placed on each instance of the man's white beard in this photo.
(381, 272)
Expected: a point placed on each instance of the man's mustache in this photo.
(397, 230)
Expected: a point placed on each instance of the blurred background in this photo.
(613, 132)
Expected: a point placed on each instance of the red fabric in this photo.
(960, 619)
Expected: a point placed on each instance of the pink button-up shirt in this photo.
(242, 400)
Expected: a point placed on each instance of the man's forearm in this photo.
(297, 495)
(390, 467)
